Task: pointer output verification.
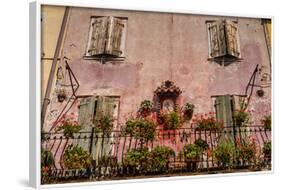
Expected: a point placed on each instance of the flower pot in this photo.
(191, 165)
(188, 114)
(61, 97)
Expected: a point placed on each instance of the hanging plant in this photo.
(145, 108)
(188, 110)
(266, 121)
(61, 95)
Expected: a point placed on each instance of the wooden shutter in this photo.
(231, 38)
(217, 39)
(102, 145)
(223, 105)
(85, 118)
(114, 36)
(98, 37)
(86, 111)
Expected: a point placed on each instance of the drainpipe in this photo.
(46, 99)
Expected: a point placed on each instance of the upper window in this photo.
(107, 37)
(223, 40)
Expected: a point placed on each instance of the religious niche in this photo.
(166, 97)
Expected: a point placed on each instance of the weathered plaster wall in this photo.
(165, 46)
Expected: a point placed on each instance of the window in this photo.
(90, 109)
(223, 41)
(225, 105)
(107, 37)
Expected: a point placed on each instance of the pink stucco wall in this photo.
(160, 47)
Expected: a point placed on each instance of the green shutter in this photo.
(98, 37)
(223, 105)
(85, 118)
(102, 145)
(115, 31)
(86, 112)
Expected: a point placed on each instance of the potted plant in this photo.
(136, 161)
(224, 153)
(267, 151)
(75, 157)
(141, 128)
(246, 151)
(172, 120)
(61, 94)
(241, 118)
(68, 126)
(159, 157)
(47, 162)
(104, 124)
(188, 111)
(192, 156)
(207, 122)
(266, 121)
(145, 108)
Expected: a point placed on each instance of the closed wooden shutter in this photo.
(102, 144)
(86, 112)
(98, 37)
(114, 36)
(223, 105)
(85, 119)
(217, 39)
(231, 38)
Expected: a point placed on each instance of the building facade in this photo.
(112, 60)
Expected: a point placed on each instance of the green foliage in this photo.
(246, 150)
(159, 157)
(104, 124)
(203, 145)
(188, 107)
(267, 122)
(207, 122)
(192, 152)
(137, 158)
(146, 105)
(224, 153)
(241, 118)
(47, 158)
(68, 126)
(141, 128)
(76, 157)
(149, 161)
(172, 120)
(267, 148)
(69, 130)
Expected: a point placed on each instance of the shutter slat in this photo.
(113, 46)
(231, 38)
(217, 39)
(98, 39)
